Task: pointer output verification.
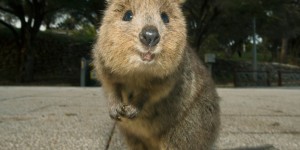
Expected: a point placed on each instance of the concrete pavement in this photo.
(70, 118)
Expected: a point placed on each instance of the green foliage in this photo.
(86, 33)
(88, 12)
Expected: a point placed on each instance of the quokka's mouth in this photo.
(147, 56)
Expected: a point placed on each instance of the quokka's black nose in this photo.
(149, 36)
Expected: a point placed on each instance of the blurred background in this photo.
(243, 42)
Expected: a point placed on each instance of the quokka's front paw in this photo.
(129, 111)
(121, 110)
(114, 111)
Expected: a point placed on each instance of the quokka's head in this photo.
(141, 37)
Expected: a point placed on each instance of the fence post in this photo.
(83, 74)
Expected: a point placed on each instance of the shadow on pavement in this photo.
(264, 147)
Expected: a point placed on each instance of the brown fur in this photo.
(168, 103)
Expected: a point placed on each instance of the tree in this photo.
(277, 21)
(31, 14)
(90, 11)
(282, 24)
(200, 17)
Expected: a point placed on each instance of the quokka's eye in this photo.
(165, 17)
(128, 15)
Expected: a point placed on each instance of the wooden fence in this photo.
(248, 78)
